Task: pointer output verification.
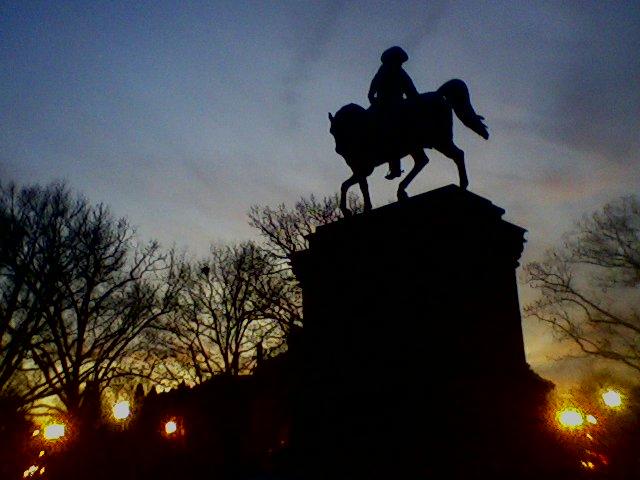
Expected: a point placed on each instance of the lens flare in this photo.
(570, 418)
(54, 431)
(121, 410)
(612, 398)
(592, 420)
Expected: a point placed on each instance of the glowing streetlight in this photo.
(54, 431)
(612, 398)
(30, 472)
(170, 427)
(588, 464)
(121, 410)
(570, 418)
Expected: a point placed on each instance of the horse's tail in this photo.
(457, 95)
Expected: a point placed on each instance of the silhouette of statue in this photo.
(390, 85)
(366, 140)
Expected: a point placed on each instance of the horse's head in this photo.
(332, 130)
(336, 130)
(345, 125)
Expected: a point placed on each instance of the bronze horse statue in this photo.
(369, 138)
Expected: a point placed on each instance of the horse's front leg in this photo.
(420, 159)
(348, 183)
(364, 187)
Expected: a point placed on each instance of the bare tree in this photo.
(94, 289)
(284, 231)
(24, 285)
(589, 288)
(225, 311)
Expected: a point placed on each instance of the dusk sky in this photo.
(181, 115)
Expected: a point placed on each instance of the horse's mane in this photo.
(350, 112)
(350, 108)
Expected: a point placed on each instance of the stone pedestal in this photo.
(414, 355)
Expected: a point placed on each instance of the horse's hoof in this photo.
(403, 196)
(464, 185)
(346, 213)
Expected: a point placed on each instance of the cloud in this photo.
(594, 100)
(350, 34)
(425, 22)
(312, 27)
(593, 112)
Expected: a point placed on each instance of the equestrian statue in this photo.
(398, 123)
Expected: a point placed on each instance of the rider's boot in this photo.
(394, 170)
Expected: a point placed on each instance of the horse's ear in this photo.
(330, 117)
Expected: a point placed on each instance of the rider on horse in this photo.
(389, 87)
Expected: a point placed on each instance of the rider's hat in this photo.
(394, 55)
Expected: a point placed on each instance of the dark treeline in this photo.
(89, 310)
(90, 314)
(84, 303)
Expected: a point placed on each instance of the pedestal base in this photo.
(413, 342)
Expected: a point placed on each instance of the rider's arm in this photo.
(408, 86)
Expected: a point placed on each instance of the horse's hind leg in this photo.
(420, 159)
(457, 155)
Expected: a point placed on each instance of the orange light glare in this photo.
(592, 420)
(54, 431)
(612, 398)
(36, 432)
(170, 427)
(30, 472)
(570, 418)
(121, 410)
(588, 465)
